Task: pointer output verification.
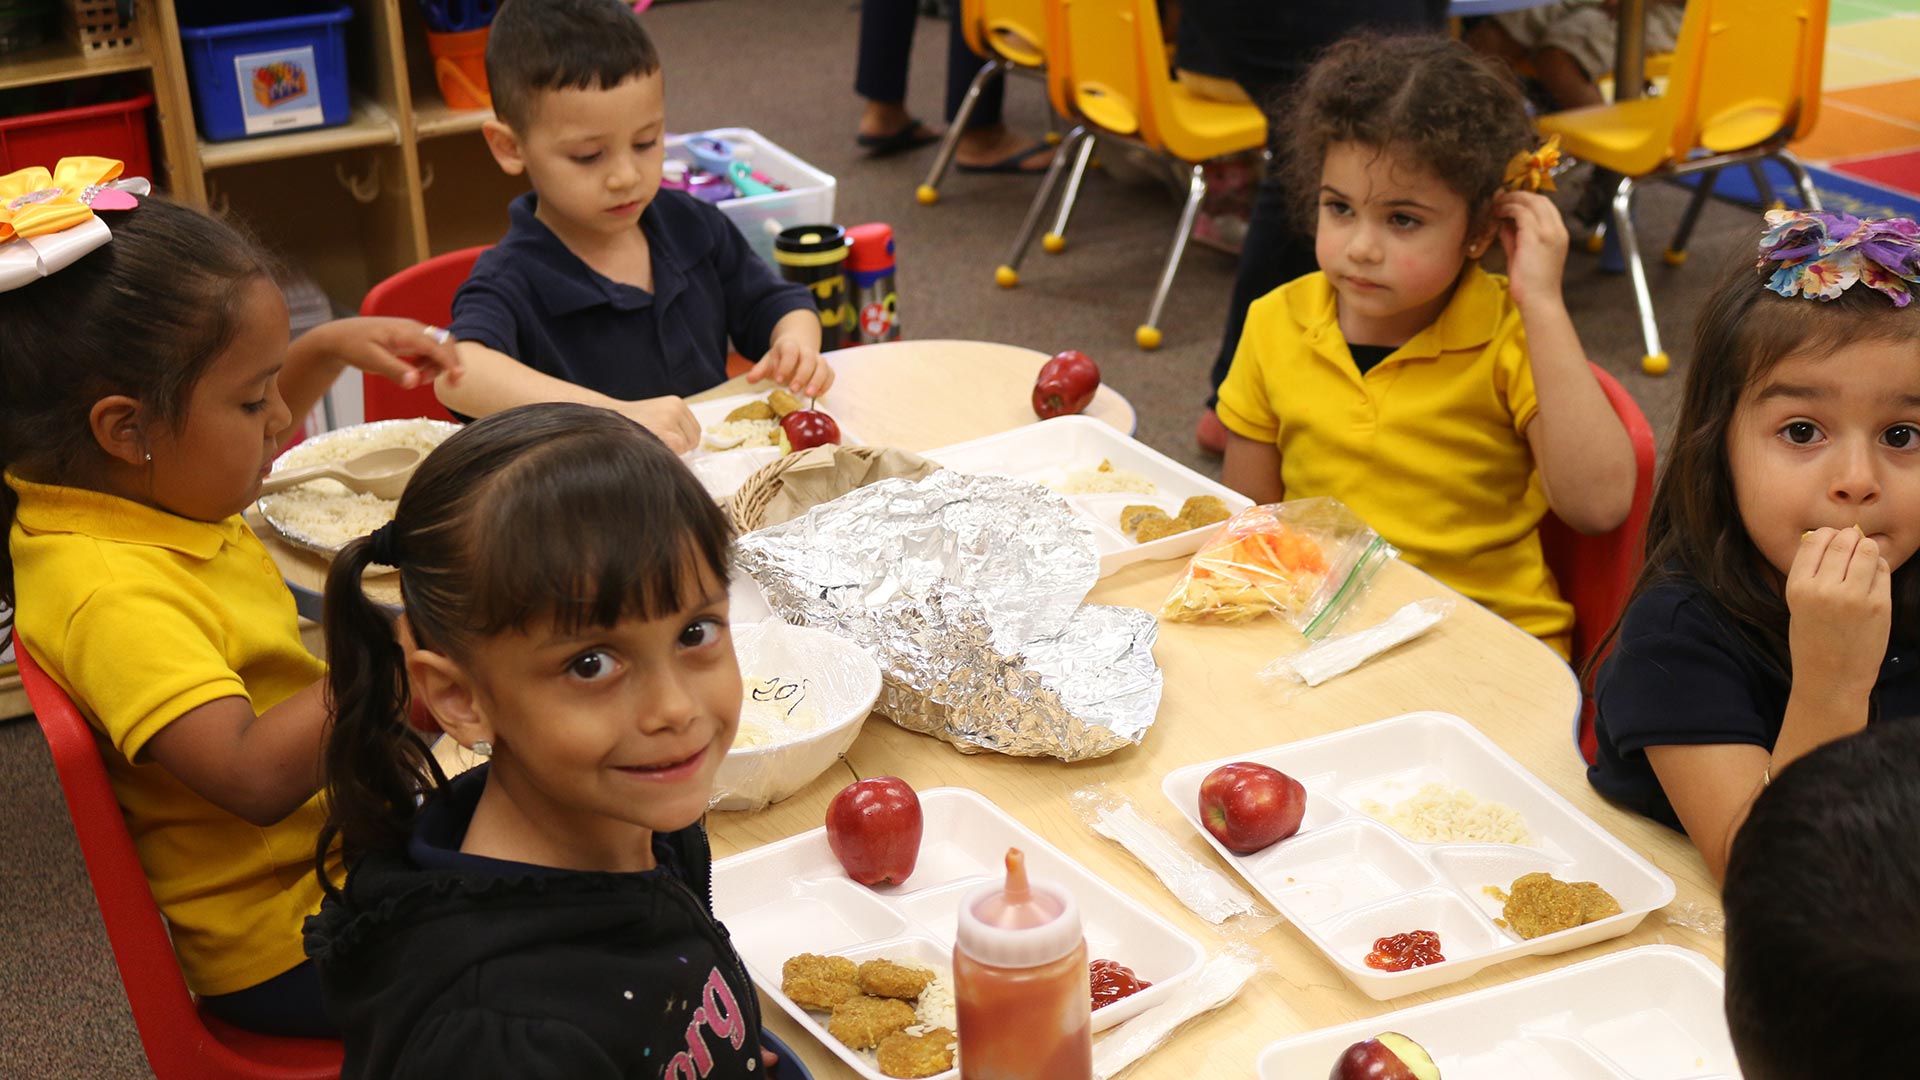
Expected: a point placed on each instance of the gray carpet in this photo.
(784, 68)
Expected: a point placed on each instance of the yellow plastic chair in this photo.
(1110, 73)
(1744, 81)
(1013, 35)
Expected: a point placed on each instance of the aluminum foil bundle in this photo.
(967, 590)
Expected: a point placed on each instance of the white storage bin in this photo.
(808, 200)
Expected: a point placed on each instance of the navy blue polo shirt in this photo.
(534, 300)
(1681, 675)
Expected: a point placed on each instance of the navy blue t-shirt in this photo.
(534, 300)
(1681, 675)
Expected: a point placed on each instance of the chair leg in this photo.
(1763, 187)
(1808, 194)
(929, 190)
(1676, 252)
(1055, 240)
(1007, 274)
(1148, 335)
(1654, 361)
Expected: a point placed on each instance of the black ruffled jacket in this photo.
(499, 969)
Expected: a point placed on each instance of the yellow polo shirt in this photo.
(1429, 447)
(142, 616)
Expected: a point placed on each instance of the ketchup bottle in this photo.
(1021, 988)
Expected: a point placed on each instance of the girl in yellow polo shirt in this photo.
(144, 390)
(1449, 407)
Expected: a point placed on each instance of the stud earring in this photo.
(483, 747)
(149, 457)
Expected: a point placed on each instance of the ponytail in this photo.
(9, 507)
(377, 768)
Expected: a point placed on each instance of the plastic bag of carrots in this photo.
(1306, 561)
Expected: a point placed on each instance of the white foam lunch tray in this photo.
(1651, 1013)
(1047, 451)
(792, 897)
(722, 472)
(1345, 880)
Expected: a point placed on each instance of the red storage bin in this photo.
(117, 129)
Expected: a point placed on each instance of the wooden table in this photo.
(922, 395)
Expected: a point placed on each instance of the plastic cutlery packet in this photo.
(1205, 891)
(1216, 984)
(1342, 653)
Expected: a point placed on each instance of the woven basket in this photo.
(96, 26)
(748, 505)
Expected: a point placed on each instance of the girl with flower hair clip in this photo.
(1779, 608)
(146, 383)
(1451, 408)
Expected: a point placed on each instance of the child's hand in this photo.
(796, 365)
(667, 417)
(1840, 596)
(1535, 239)
(379, 344)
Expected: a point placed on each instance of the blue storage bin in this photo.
(254, 76)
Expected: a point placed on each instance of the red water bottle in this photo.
(876, 307)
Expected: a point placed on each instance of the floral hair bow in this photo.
(1532, 170)
(1820, 254)
(47, 218)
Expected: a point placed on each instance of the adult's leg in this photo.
(1274, 253)
(962, 65)
(880, 76)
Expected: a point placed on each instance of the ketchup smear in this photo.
(1416, 948)
(1111, 982)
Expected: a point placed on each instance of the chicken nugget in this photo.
(1156, 528)
(753, 410)
(884, 978)
(819, 982)
(1538, 904)
(1596, 903)
(908, 1056)
(1201, 510)
(861, 1022)
(782, 403)
(814, 966)
(1133, 514)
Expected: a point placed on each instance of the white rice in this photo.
(324, 512)
(1104, 478)
(739, 434)
(1438, 814)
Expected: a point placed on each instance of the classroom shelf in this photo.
(371, 125)
(61, 59)
(433, 118)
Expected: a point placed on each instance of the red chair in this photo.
(1596, 572)
(182, 1041)
(424, 292)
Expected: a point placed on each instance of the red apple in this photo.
(806, 429)
(1387, 1056)
(1247, 806)
(1065, 385)
(873, 827)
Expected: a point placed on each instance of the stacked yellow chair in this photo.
(1109, 72)
(1744, 81)
(1013, 35)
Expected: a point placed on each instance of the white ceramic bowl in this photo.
(840, 680)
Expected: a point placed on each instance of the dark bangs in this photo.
(598, 538)
(555, 511)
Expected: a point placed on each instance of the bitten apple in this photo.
(1387, 1056)
(1247, 806)
(873, 827)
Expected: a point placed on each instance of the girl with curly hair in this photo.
(1450, 407)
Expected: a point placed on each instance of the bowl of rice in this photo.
(806, 695)
(323, 515)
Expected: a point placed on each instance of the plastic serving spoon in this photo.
(381, 473)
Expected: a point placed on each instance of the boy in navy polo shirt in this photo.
(576, 303)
